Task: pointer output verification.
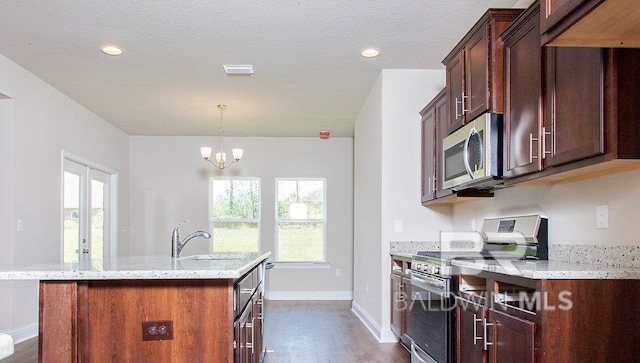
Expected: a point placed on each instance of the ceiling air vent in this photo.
(238, 69)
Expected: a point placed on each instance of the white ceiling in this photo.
(309, 74)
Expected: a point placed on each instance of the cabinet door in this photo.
(513, 339)
(442, 119)
(523, 90)
(455, 88)
(475, 98)
(555, 10)
(396, 305)
(428, 155)
(470, 329)
(573, 106)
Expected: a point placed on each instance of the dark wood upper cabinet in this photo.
(434, 117)
(567, 109)
(428, 153)
(573, 119)
(590, 23)
(474, 69)
(523, 89)
(455, 83)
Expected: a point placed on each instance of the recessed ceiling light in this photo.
(111, 50)
(232, 69)
(370, 53)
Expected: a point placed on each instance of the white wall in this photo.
(45, 122)
(367, 239)
(571, 209)
(169, 183)
(387, 183)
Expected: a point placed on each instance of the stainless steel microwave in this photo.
(472, 155)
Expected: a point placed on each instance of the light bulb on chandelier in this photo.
(221, 157)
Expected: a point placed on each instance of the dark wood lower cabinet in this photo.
(397, 311)
(469, 320)
(513, 339)
(516, 319)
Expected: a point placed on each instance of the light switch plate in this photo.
(398, 225)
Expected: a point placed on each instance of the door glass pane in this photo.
(71, 227)
(97, 220)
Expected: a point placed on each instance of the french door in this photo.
(88, 220)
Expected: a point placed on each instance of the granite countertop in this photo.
(404, 255)
(223, 266)
(550, 269)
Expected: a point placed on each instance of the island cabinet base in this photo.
(102, 320)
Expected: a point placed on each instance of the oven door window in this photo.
(431, 322)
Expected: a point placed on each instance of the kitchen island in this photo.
(205, 308)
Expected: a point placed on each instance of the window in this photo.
(235, 214)
(301, 220)
(88, 212)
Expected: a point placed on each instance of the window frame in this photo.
(213, 220)
(276, 253)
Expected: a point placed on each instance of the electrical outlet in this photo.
(157, 330)
(20, 225)
(602, 217)
(366, 287)
(338, 272)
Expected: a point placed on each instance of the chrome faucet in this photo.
(177, 246)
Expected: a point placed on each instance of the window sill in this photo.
(305, 265)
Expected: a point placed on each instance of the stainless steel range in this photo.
(432, 313)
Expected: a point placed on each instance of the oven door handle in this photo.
(420, 357)
(428, 285)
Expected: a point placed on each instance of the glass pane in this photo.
(236, 199)
(235, 237)
(97, 220)
(71, 219)
(300, 242)
(300, 199)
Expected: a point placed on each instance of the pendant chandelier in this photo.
(221, 156)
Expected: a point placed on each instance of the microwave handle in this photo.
(466, 152)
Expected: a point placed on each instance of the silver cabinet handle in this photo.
(531, 140)
(435, 185)
(247, 344)
(487, 343)
(464, 104)
(429, 187)
(457, 113)
(475, 329)
(544, 142)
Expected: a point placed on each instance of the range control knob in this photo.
(436, 270)
(418, 267)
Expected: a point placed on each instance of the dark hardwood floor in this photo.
(299, 331)
(323, 332)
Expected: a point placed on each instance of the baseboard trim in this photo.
(24, 333)
(383, 335)
(309, 295)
